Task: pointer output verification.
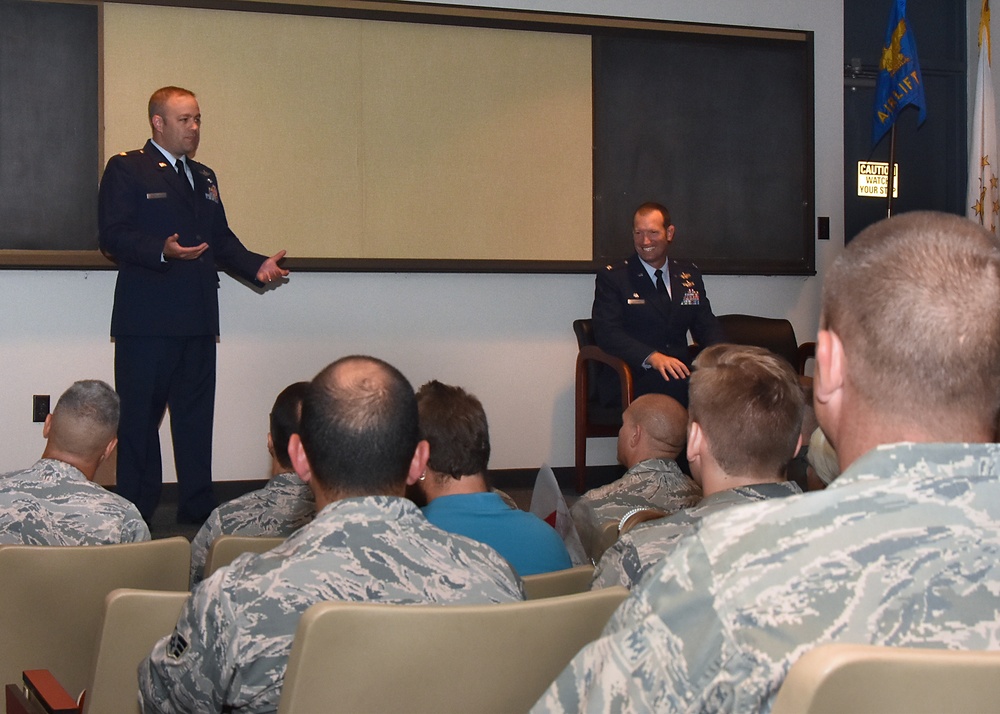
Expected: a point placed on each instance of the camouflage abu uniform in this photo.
(52, 503)
(232, 640)
(283, 506)
(642, 547)
(653, 483)
(902, 549)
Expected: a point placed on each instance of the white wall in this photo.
(507, 338)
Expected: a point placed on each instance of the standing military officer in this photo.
(161, 219)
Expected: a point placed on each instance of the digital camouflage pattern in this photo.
(653, 483)
(642, 547)
(284, 505)
(902, 549)
(53, 503)
(231, 643)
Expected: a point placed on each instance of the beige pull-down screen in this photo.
(339, 138)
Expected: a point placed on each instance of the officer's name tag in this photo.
(636, 301)
(156, 195)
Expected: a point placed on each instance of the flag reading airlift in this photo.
(899, 81)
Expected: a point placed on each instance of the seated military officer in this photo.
(746, 411)
(55, 502)
(357, 448)
(283, 506)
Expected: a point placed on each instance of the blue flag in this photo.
(899, 80)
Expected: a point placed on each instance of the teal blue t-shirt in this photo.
(527, 542)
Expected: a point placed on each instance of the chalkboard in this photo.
(718, 129)
(48, 126)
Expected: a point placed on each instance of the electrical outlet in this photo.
(39, 407)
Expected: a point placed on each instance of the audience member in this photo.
(357, 448)
(651, 438)
(900, 550)
(55, 502)
(283, 506)
(644, 308)
(456, 490)
(745, 413)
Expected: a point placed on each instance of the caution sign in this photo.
(873, 177)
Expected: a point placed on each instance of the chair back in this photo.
(53, 597)
(836, 678)
(350, 657)
(227, 548)
(774, 334)
(604, 537)
(133, 621)
(558, 582)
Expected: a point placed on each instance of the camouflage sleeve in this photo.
(658, 651)
(611, 568)
(209, 531)
(135, 530)
(188, 670)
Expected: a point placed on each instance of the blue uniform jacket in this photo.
(631, 319)
(142, 202)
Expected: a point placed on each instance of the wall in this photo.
(507, 338)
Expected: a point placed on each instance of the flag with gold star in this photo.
(899, 82)
(983, 195)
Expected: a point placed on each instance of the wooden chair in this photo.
(227, 548)
(351, 657)
(592, 418)
(836, 678)
(133, 622)
(52, 600)
(558, 582)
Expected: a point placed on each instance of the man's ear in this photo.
(829, 373)
(300, 462)
(270, 445)
(798, 446)
(635, 435)
(47, 426)
(670, 234)
(418, 464)
(695, 441)
(108, 449)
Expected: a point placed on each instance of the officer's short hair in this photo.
(749, 404)
(85, 418)
(915, 300)
(651, 207)
(284, 420)
(158, 100)
(454, 424)
(359, 427)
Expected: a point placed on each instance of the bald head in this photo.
(653, 427)
(913, 304)
(359, 427)
(81, 429)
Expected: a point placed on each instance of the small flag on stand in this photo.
(549, 504)
(983, 194)
(899, 80)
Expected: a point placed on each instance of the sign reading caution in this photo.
(873, 177)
